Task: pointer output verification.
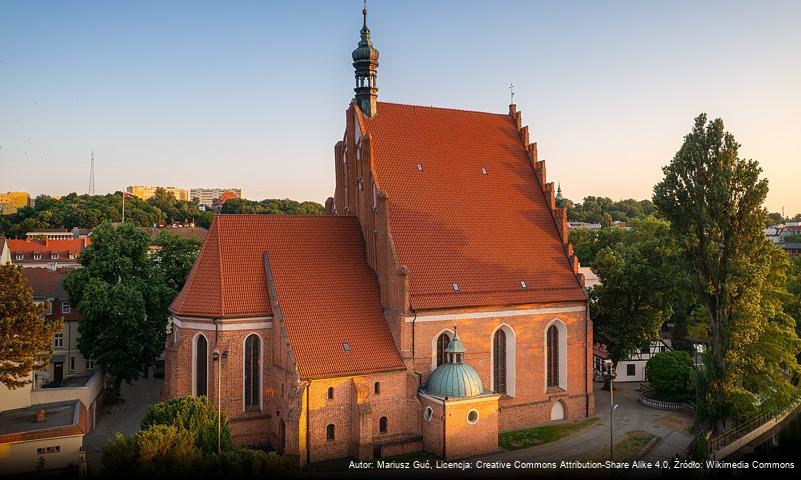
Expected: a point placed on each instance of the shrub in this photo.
(670, 373)
(194, 414)
(245, 463)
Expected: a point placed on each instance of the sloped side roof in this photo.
(453, 224)
(329, 297)
(328, 294)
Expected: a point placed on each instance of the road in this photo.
(672, 427)
(124, 418)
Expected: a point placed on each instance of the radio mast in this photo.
(92, 173)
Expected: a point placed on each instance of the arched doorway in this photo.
(558, 411)
(281, 436)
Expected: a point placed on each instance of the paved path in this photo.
(124, 418)
(630, 415)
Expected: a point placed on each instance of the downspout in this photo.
(586, 348)
(444, 421)
(216, 326)
(308, 432)
(414, 321)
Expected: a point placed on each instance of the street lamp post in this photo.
(215, 357)
(612, 408)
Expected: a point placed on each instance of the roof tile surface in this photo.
(328, 294)
(454, 224)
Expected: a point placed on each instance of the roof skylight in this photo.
(346, 347)
(455, 287)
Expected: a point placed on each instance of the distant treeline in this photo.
(272, 207)
(88, 211)
(604, 210)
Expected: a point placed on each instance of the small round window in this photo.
(472, 416)
(428, 413)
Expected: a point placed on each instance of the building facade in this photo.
(207, 196)
(146, 191)
(67, 361)
(34, 253)
(10, 202)
(336, 336)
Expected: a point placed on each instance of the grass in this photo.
(626, 449)
(532, 437)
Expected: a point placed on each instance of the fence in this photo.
(662, 405)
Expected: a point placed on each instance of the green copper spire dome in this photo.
(365, 65)
(454, 378)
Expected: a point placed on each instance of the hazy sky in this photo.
(253, 94)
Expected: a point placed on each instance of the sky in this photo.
(253, 94)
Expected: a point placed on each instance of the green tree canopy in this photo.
(713, 200)
(179, 438)
(671, 374)
(123, 298)
(604, 210)
(195, 415)
(26, 336)
(639, 282)
(272, 207)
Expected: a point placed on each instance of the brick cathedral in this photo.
(436, 304)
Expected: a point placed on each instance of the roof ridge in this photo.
(431, 107)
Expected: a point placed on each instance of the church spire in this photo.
(365, 65)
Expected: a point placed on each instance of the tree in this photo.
(671, 373)
(26, 336)
(638, 285)
(179, 438)
(123, 299)
(272, 207)
(713, 200)
(174, 258)
(774, 219)
(196, 415)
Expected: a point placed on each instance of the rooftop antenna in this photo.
(92, 173)
(512, 92)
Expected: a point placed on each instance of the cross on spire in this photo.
(511, 91)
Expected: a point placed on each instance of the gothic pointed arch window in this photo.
(499, 361)
(252, 372)
(201, 376)
(555, 355)
(442, 343)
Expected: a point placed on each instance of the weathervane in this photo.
(511, 89)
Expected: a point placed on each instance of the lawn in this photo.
(531, 437)
(626, 449)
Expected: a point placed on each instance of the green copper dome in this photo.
(365, 53)
(454, 378)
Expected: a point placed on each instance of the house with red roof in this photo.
(43, 253)
(437, 303)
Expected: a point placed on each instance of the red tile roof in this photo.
(327, 293)
(45, 248)
(453, 224)
(227, 196)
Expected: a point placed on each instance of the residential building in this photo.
(67, 361)
(42, 424)
(42, 437)
(145, 191)
(55, 234)
(11, 201)
(207, 196)
(53, 254)
(632, 369)
(437, 303)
